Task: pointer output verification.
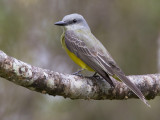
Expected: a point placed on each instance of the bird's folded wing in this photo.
(88, 55)
(91, 55)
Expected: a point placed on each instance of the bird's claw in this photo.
(96, 76)
(78, 73)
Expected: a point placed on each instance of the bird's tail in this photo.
(123, 78)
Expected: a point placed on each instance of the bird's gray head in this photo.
(73, 21)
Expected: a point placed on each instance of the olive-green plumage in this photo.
(89, 53)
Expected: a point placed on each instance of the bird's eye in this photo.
(74, 20)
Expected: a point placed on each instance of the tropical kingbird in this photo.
(89, 53)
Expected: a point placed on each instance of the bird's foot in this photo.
(78, 73)
(97, 76)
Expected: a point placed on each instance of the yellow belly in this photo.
(74, 57)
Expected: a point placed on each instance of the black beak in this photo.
(60, 23)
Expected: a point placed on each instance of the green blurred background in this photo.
(129, 30)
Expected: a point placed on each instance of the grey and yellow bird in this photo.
(89, 53)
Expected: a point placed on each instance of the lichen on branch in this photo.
(71, 86)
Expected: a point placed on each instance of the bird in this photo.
(89, 53)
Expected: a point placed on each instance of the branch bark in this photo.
(71, 86)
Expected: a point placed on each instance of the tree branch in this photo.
(71, 86)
